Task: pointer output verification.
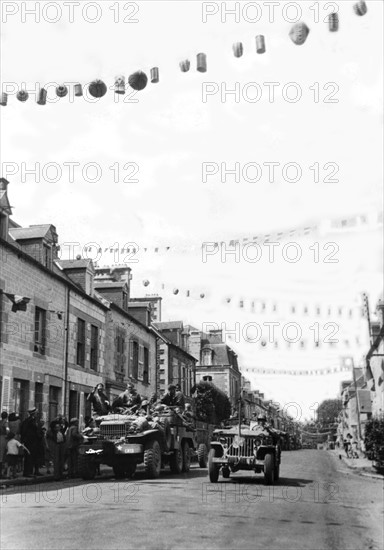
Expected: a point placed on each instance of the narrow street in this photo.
(318, 504)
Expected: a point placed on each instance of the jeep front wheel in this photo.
(202, 455)
(269, 469)
(186, 450)
(213, 468)
(176, 461)
(87, 468)
(152, 460)
(119, 469)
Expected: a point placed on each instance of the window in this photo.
(80, 349)
(120, 349)
(175, 371)
(21, 396)
(140, 373)
(47, 256)
(40, 326)
(54, 398)
(134, 358)
(146, 366)
(73, 404)
(94, 347)
(39, 397)
(206, 357)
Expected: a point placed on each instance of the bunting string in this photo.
(138, 80)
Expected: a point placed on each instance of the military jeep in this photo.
(245, 448)
(116, 446)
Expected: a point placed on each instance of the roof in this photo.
(74, 264)
(109, 284)
(32, 232)
(4, 202)
(221, 353)
(169, 325)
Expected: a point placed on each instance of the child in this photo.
(13, 446)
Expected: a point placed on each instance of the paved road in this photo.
(319, 504)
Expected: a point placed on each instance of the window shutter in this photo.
(5, 398)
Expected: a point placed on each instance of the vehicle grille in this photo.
(246, 450)
(113, 431)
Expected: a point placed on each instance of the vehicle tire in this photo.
(277, 472)
(176, 461)
(119, 469)
(130, 470)
(213, 469)
(269, 469)
(167, 435)
(152, 459)
(87, 468)
(226, 472)
(186, 450)
(202, 455)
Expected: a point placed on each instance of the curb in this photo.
(366, 471)
(21, 481)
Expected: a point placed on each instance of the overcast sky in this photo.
(171, 131)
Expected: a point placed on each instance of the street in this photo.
(318, 504)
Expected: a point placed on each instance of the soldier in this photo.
(128, 399)
(169, 398)
(99, 400)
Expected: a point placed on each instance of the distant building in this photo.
(215, 361)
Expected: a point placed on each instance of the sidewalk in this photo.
(360, 465)
(44, 478)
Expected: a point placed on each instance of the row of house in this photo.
(67, 325)
(362, 397)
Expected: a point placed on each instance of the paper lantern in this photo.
(185, 65)
(22, 95)
(61, 91)
(263, 343)
(120, 84)
(138, 80)
(78, 90)
(228, 300)
(3, 99)
(97, 88)
(202, 295)
(145, 282)
(333, 22)
(299, 33)
(175, 291)
(155, 75)
(42, 100)
(360, 8)
(237, 49)
(260, 44)
(201, 62)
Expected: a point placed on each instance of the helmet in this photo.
(262, 417)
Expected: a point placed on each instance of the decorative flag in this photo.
(260, 44)
(138, 80)
(299, 33)
(61, 91)
(97, 88)
(360, 8)
(120, 84)
(201, 62)
(22, 95)
(237, 49)
(333, 22)
(78, 90)
(19, 303)
(155, 75)
(184, 65)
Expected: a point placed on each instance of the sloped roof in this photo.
(168, 325)
(74, 264)
(4, 202)
(33, 232)
(109, 284)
